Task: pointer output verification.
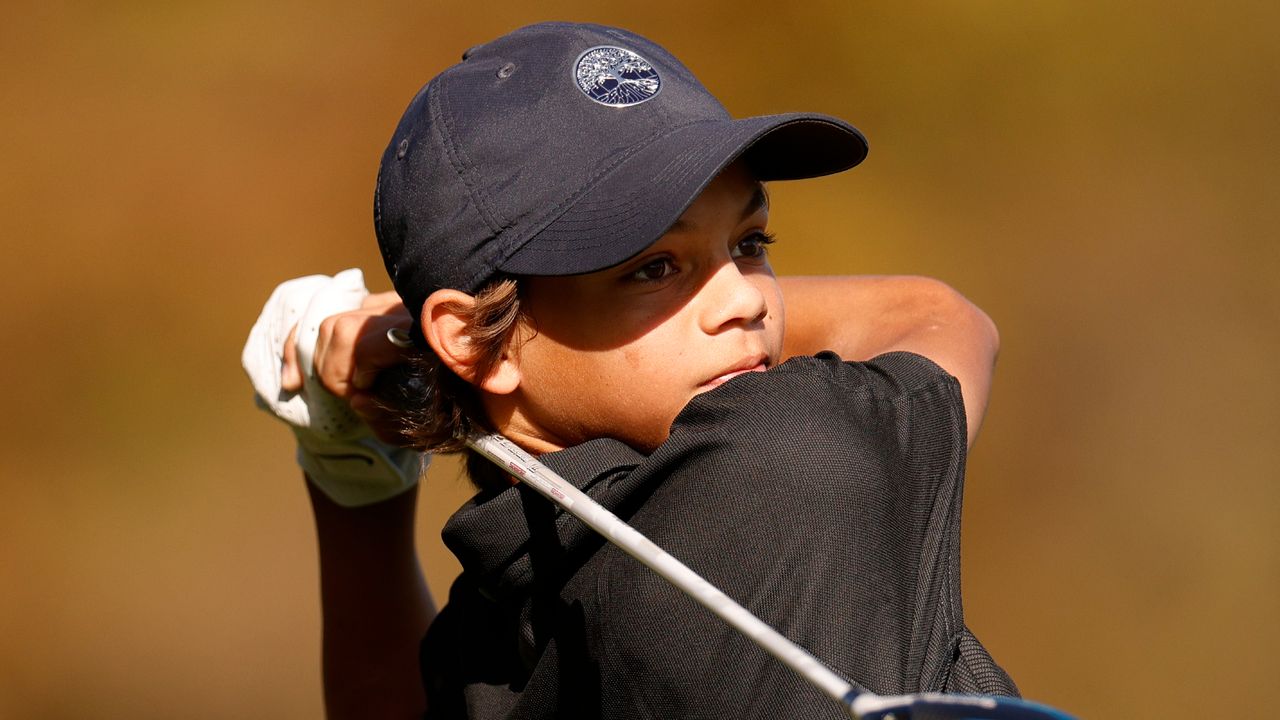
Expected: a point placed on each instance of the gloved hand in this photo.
(339, 452)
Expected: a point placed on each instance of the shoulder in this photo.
(827, 395)
(890, 374)
(812, 445)
(812, 492)
(872, 432)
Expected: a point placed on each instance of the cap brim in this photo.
(631, 206)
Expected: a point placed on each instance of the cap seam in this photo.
(562, 207)
(626, 209)
(462, 163)
(605, 189)
(671, 173)
(631, 42)
(391, 264)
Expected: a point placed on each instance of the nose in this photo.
(732, 298)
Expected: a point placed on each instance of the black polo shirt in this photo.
(822, 495)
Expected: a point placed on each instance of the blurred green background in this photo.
(1102, 178)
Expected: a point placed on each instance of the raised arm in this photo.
(375, 607)
(860, 317)
(312, 358)
(374, 600)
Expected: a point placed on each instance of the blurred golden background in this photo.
(1102, 178)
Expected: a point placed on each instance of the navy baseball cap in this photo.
(564, 148)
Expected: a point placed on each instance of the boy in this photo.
(578, 233)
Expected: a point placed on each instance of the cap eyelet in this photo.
(402, 149)
(506, 71)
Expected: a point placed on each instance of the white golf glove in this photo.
(338, 450)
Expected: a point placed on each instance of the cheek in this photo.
(640, 393)
(643, 361)
(779, 315)
(775, 320)
(585, 389)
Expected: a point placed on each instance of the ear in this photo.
(444, 326)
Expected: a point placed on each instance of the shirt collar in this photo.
(491, 534)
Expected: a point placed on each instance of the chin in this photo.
(649, 441)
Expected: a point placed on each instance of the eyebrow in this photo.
(759, 200)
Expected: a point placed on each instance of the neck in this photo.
(507, 420)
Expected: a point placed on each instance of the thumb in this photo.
(290, 372)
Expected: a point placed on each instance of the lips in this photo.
(758, 363)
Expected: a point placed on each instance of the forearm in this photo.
(860, 317)
(376, 607)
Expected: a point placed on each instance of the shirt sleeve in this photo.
(822, 495)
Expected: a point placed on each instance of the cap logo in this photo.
(615, 76)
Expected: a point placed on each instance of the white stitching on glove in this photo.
(338, 450)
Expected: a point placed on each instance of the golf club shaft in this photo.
(524, 466)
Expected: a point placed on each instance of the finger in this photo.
(290, 373)
(375, 352)
(384, 302)
(334, 361)
(352, 348)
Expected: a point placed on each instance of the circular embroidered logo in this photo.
(616, 77)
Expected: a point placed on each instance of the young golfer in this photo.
(577, 233)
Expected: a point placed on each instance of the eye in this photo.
(654, 270)
(753, 245)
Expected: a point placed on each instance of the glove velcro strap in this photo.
(361, 471)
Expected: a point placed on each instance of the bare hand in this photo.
(351, 350)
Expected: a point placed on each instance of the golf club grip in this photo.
(524, 466)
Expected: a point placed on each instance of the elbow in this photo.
(985, 331)
(965, 343)
(952, 307)
(949, 308)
